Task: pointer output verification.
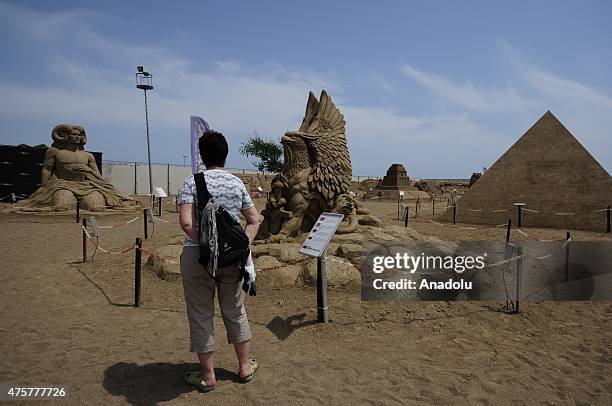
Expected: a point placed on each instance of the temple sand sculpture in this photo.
(70, 173)
(395, 181)
(550, 174)
(316, 177)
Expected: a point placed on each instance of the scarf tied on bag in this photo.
(208, 233)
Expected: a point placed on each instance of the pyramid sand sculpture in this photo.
(549, 171)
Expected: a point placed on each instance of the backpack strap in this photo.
(203, 197)
(203, 193)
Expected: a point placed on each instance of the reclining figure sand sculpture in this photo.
(316, 176)
(70, 173)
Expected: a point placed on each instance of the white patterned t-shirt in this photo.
(225, 188)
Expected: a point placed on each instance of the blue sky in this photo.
(442, 87)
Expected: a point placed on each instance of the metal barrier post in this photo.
(137, 280)
(146, 225)
(567, 253)
(508, 230)
(519, 277)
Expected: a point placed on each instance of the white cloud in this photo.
(526, 94)
(429, 146)
(103, 96)
(234, 99)
(500, 99)
(585, 111)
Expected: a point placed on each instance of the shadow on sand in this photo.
(153, 383)
(282, 328)
(108, 299)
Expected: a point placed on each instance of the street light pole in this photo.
(148, 144)
(144, 81)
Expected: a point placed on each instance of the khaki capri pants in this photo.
(199, 287)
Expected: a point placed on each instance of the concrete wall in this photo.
(133, 177)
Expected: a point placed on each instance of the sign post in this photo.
(322, 307)
(314, 246)
(94, 226)
(160, 192)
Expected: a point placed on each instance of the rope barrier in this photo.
(534, 238)
(163, 259)
(118, 225)
(166, 221)
(516, 258)
(353, 264)
(469, 228)
(272, 268)
(97, 245)
(532, 211)
(159, 257)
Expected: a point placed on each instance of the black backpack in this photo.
(232, 241)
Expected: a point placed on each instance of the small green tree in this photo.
(268, 152)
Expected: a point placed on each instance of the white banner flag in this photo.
(198, 127)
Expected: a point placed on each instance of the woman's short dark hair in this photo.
(213, 148)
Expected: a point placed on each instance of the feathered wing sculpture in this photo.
(323, 128)
(316, 175)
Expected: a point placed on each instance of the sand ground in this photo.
(65, 322)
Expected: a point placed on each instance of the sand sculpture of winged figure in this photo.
(315, 177)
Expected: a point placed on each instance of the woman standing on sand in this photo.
(199, 285)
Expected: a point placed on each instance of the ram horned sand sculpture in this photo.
(316, 176)
(70, 173)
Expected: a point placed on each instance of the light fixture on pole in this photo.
(144, 81)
